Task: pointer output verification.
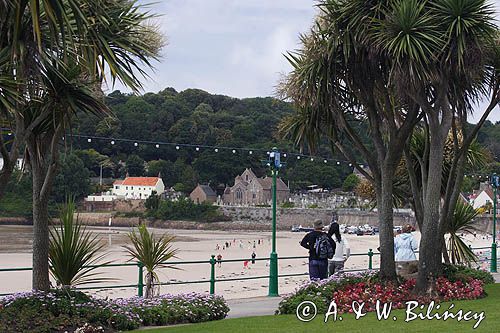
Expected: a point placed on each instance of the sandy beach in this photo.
(193, 245)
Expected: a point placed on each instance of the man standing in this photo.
(321, 248)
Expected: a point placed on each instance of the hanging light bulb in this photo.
(216, 150)
(177, 147)
(197, 148)
(250, 152)
(284, 155)
(350, 164)
(234, 151)
(136, 144)
(9, 134)
(89, 140)
(267, 153)
(298, 157)
(338, 163)
(312, 159)
(112, 142)
(157, 146)
(325, 161)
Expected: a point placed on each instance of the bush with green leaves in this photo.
(68, 310)
(74, 252)
(153, 252)
(186, 209)
(463, 273)
(321, 292)
(62, 310)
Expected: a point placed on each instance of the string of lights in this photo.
(199, 147)
(218, 148)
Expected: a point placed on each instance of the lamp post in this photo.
(275, 164)
(495, 183)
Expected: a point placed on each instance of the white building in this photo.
(138, 187)
(482, 198)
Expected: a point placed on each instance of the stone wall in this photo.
(288, 217)
(123, 206)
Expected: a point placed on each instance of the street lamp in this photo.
(274, 164)
(495, 183)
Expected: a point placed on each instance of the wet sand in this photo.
(193, 245)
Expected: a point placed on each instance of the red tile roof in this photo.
(140, 181)
(118, 182)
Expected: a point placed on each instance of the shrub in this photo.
(186, 209)
(72, 310)
(463, 273)
(321, 292)
(177, 309)
(60, 310)
(288, 204)
(367, 288)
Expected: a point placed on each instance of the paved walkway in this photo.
(497, 277)
(257, 306)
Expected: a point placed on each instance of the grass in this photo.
(369, 323)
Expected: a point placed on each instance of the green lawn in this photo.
(289, 323)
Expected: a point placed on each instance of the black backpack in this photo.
(323, 247)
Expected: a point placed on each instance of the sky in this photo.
(232, 47)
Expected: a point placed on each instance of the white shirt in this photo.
(342, 250)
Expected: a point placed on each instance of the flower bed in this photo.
(61, 311)
(367, 288)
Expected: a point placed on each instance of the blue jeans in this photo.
(318, 269)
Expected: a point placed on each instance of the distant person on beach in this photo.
(253, 257)
(254, 244)
(405, 246)
(342, 250)
(241, 244)
(321, 248)
(219, 258)
(245, 264)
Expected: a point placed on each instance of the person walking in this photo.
(342, 250)
(219, 260)
(253, 257)
(405, 246)
(321, 248)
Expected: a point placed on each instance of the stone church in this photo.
(248, 189)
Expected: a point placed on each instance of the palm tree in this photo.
(152, 252)
(462, 222)
(389, 65)
(73, 251)
(60, 52)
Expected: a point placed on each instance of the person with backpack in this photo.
(342, 250)
(321, 248)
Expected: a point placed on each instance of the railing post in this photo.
(212, 275)
(140, 284)
(370, 259)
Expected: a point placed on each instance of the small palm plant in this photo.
(73, 251)
(462, 222)
(152, 252)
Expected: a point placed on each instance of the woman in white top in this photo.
(342, 250)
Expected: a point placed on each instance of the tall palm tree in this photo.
(391, 64)
(59, 54)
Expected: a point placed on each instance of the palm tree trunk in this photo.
(386, 225)
(40, 230)
(430, 259)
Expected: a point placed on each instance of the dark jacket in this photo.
(310, 239)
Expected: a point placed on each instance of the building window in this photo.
(239, 194)
(117, 187)
(126, 187)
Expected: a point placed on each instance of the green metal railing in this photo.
(213, 263)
